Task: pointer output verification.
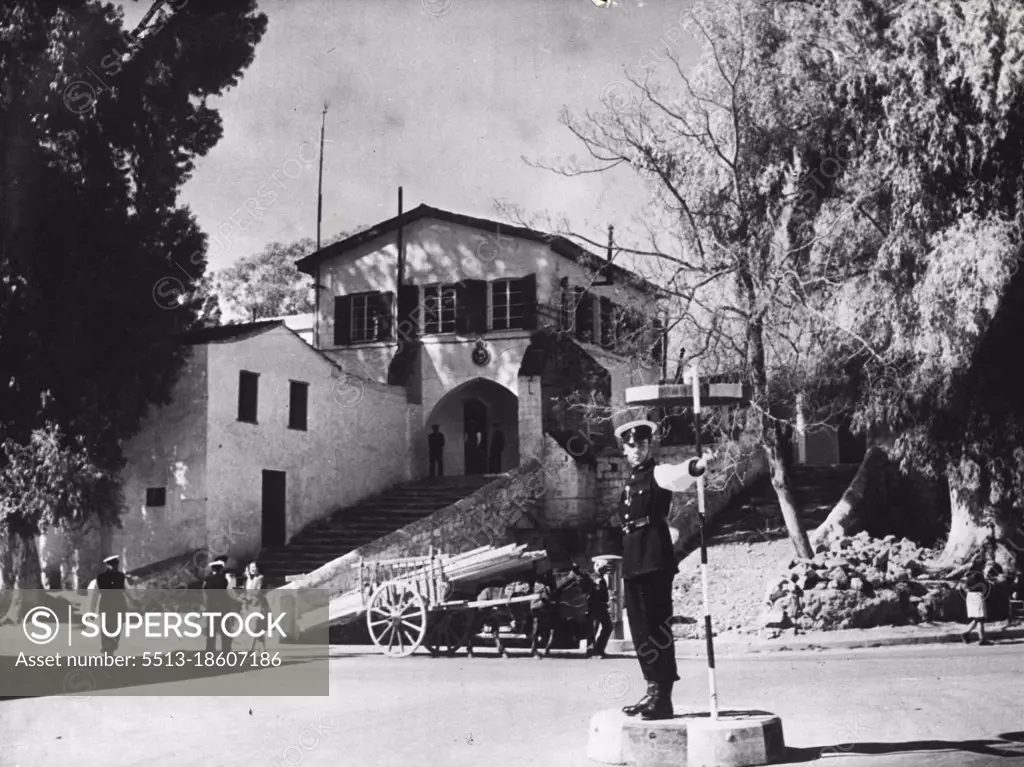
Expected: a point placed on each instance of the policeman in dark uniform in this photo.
(112, 604)
(648, 560)
(216, 599)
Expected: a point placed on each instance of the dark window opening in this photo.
(156, 496)
(248, 395)
(298, 401)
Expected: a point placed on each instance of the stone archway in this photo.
(476, 418)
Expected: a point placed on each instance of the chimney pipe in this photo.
(611, 236)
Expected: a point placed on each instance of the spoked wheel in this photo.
(447, 632)
(397, 619)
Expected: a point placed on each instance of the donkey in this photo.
(530, 617)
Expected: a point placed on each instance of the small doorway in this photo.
(274, 521)
(474, 420)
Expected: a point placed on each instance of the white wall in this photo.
(169, 451)
(356, 442)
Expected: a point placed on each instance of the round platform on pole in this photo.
(735, 739)
(619, 739)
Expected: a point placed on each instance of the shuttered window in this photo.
(365, 324)
(439, 306)
(363, 317)
(507, 305)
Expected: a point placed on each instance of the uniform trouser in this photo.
(211, 638)
(649, 607)
(599, 618)
(436, 463)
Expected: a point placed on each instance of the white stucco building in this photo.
(276, 424)
(485, 327)
(263, 436)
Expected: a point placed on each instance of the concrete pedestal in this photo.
(735, 739)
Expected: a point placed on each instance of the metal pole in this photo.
(704, 549)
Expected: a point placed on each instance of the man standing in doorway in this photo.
(435, 447)
(648, 559)
(497, 448)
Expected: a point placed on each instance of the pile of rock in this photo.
(860, 582)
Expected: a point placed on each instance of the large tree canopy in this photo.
(268, 284)
(99, 129)
(836, 203)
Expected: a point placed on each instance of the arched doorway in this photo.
(480, 421)
(474, 436)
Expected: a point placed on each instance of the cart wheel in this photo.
(397, 619)
(447, 632)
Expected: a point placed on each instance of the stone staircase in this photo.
(754, 514)
(355, 526)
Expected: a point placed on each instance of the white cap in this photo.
(112, 559)
(217, 563)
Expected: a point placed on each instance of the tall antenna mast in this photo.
(320, 185)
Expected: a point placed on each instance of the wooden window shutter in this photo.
(529, 288)
(384, 308)
(607, 323)
(342, 320)
(408, 312)
(584, 315)
(471, 307)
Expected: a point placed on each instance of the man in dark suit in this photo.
(112, 604)
(648, 560)
(217, 599)
(435, 448)
(497, 448)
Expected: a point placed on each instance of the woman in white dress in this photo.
(256, 602)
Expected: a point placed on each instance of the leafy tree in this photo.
(935, 93)
(99, 129)
(268, 284)
(725, 154)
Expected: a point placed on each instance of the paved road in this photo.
(941, 706)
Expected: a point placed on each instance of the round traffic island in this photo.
(735, 739)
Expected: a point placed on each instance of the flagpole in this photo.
(319, 218)
(320, 185)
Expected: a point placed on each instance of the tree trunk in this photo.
(847, 516)
(27, 575)
(783, 486)
(968, 524)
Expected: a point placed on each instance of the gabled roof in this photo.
(224, 333)
(557, 243)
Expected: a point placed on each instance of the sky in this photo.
(442, 97)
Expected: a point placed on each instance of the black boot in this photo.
(660, 706)
(641, 704)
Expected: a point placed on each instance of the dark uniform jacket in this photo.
(647, 549)
(112, 597)
(217, 598)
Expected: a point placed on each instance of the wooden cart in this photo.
(428, 601)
